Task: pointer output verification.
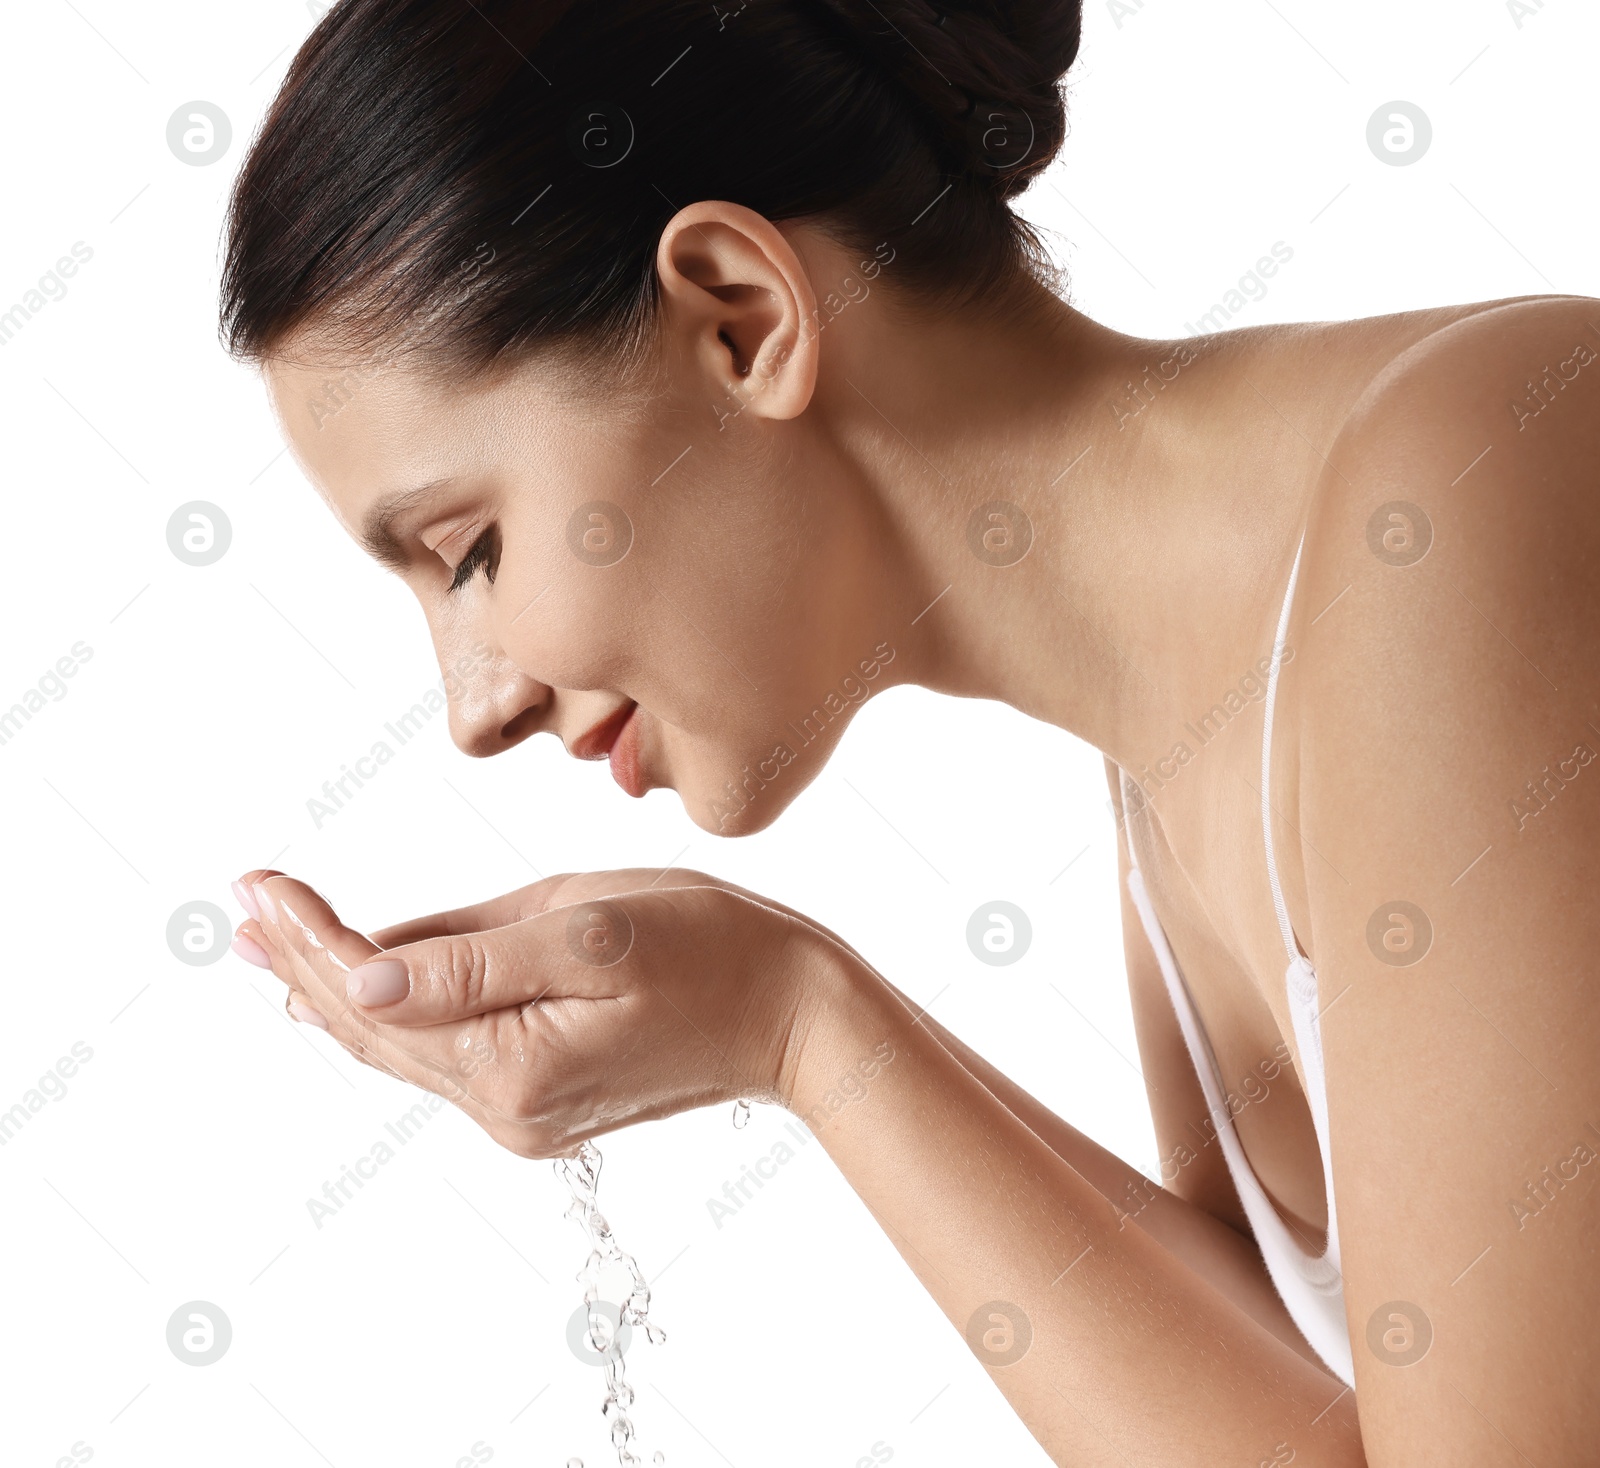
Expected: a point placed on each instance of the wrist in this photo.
(845, 1027)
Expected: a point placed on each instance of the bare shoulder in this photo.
(1457, 514)
(1447, 617)
(1443, 713)
(1506, 360)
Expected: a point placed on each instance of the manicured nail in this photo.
(247, 900)
(306, 1014)
(268, 908)
(383, 981)
(250, 951)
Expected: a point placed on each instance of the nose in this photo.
(495, 705)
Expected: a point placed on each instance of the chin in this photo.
(722, 817)
(752, 799)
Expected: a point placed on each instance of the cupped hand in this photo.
(565, 1009)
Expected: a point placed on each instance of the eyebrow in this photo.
(377, 529)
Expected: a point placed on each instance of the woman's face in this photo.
(667, 579)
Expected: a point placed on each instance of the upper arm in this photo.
(1449, 796)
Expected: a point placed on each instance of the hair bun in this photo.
(984, 75)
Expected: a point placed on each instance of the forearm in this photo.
(1216, 1251)
(1134, 1356)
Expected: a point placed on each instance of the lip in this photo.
(626, 767)
(596, 743)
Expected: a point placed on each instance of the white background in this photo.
(429, 1312)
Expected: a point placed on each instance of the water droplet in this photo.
(741, 1113)
(659, 1458)
(574, 1463)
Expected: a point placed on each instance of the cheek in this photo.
(682, 596)
(578, 626)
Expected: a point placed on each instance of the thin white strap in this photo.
(1123, 781)
(1280, 1248)
(1278, 645)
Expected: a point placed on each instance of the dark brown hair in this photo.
(488, 178)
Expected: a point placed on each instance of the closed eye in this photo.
(483, 555)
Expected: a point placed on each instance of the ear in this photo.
(742, 303)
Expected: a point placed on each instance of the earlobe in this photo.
(739, 292)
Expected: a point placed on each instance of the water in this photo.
(582, 1176)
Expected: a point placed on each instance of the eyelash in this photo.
(481, 556)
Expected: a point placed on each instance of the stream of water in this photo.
(582, 1177)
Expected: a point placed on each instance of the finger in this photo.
(247, 946)
(304, 932)
(310, 962)
(574, 951)
(494, 912)
(302, 1013)
(367, 1044)
(309, 1008)
(537, 897)
(249, 943)
(252, 945)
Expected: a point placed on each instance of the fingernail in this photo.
(384, 981)
(268, 911)
(250, 951)
(247, 900)
(306, 1014)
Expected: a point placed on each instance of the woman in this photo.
(690, 366)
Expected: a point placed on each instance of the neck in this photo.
(1144, 595)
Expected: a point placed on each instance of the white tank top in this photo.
(1311, 1285)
